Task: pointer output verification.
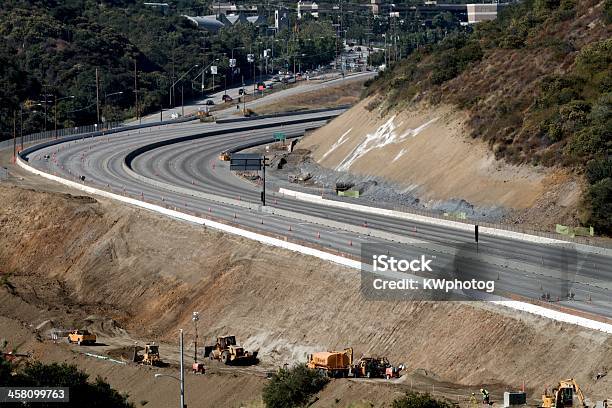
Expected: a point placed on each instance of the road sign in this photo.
(246, 162)
(250, 57)
(213, 69)
(232, 62)
(279, 137)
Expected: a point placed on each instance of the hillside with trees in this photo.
(537, 84)
(51, 49)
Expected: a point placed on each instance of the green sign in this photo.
(280, 137)
(349, 193)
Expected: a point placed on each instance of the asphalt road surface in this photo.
(182, 173)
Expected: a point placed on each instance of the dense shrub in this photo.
(82, 393)
(599, 205)
(416, 400)
(598, 169)
(293, 387)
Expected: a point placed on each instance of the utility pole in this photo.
(21, 127)
(55, 115)
(182, 102)
(136, 90)
(97, 97)
(14, 136)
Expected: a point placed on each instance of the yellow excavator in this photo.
(562, 395)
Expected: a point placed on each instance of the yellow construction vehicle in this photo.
(150, 355)
(224, 156)
(563, 395)
(81, 337)
(332, 363)
(228, 352)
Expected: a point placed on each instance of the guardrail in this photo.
(103, 132)
(59, 134)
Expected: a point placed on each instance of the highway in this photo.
(185, 173)
(229, 109)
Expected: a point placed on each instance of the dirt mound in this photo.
(70, 260)
(425, 151)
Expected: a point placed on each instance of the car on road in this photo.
(241, 91)
(210, 102)
(227, 98)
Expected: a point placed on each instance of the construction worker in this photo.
(485, 396)
(473, 400)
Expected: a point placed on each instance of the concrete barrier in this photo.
(519, 236)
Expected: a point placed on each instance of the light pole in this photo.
(181, 78)
(182, 370)
(203, 72)
(106, 96)
(55, 111)
(181, 378)
(232, 60)
(21, 120)
(195, 316)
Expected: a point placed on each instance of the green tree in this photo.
(82, 393)
(417, 400)
(293, 387)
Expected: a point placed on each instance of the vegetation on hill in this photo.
(51, 49)
(417, 400)
(537, 83)
(82, 393)
(293, 387)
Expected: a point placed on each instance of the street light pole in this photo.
(182, 376)
(55, 111)
(97, 97)
(180, 79)
(14, 136)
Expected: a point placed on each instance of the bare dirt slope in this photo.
(71, 257)
(426, 151)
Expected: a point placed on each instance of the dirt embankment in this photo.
(72, 257)
(426, 151)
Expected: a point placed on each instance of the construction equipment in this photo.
(150, 355)
(332, 363)
(371, 367)
(226, 350)
(376, 367)
(563, 395)
(393, 372)
(203, 113)
(81, 337)
(224, 156)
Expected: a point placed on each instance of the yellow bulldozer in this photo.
(150, 355)
(562, 395)
(226, 350)
(224, 156)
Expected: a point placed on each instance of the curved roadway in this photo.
(187, 174)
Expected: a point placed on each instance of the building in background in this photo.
(307, 8)
(481, 12)
(233, 8)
